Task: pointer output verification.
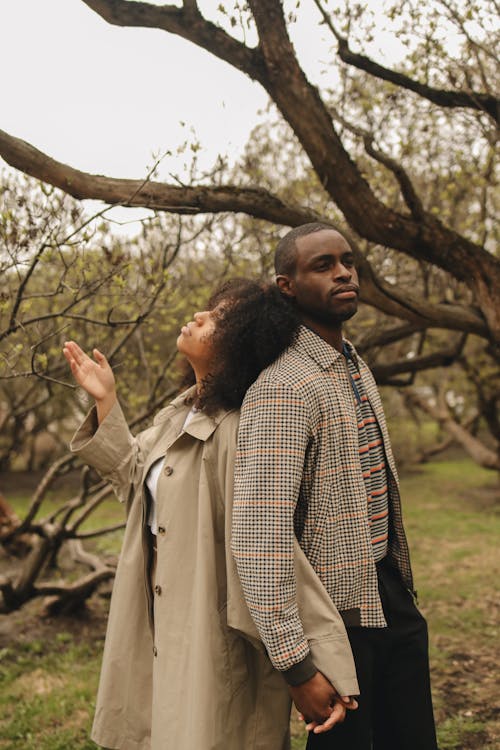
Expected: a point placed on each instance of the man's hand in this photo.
(319, 704)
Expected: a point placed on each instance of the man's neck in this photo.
(332, 335)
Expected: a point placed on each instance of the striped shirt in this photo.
(372, 459)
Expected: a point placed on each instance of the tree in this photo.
(456, 85)
(404, 155)
(66, 276)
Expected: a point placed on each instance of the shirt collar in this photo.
(319, 350)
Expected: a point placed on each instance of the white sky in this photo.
(104, 98)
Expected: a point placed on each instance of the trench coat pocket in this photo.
(234, 655)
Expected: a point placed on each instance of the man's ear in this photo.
(286, 285)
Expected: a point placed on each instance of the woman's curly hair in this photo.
(254, 325)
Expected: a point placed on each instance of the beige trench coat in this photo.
(177, 673)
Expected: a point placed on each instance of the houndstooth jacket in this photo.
(298, 472)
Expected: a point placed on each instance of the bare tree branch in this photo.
(380, 338)
(59, 467)
(100, 532)
(160, 196)
(289, 88)
(409, 193)
(447, 98)
(394, 300)
(481, 454)
(186, 22)
(384, 372)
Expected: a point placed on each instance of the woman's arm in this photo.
(104, 440)
(94, 376)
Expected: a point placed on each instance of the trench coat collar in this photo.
(319, 350)
(202, 425)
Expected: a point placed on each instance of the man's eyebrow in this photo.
(322, 256)
(329, 255)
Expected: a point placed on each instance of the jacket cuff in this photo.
(300, 672)
(105, 445)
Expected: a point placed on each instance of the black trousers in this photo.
(395, 707)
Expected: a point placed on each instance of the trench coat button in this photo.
(168, 470)
(155, 651)
(161, 530)
(158, 590)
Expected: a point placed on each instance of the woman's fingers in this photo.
(337, 716)
(349, 702)
(100, 358)
(67, 354)
(72, 351)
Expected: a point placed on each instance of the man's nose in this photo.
(342, 272)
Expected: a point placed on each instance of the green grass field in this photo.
(49, 668)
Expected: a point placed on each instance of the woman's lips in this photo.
(185, 330)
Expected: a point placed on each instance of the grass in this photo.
(453, 522)
(48, 692)
(49, 670)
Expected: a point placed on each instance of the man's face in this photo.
(325, 283)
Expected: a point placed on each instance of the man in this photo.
(315, 461)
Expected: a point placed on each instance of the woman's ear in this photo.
(286, 285)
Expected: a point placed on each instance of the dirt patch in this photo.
(31, 623)
(466, 687)
(484, 498)
(38, 682)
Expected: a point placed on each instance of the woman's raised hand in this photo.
(94, 375)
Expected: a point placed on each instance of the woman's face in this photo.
(195, 341)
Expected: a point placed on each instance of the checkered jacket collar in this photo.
(318, 349)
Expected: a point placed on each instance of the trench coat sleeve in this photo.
(323, 626)
(111, 450)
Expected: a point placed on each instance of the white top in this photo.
(153, 476)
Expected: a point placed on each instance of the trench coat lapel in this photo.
(173, 420)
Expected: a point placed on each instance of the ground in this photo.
(49, 666)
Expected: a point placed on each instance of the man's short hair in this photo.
(286, 250)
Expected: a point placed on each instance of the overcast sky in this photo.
(104, 98)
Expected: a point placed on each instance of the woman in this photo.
(175, 673)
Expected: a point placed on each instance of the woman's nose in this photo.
(199, 317)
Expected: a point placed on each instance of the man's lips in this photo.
(348, 291)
